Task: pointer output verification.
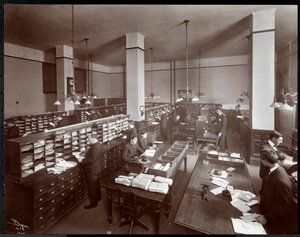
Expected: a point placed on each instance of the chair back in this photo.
(127, 202)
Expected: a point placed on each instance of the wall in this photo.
(17, 87)
(222, 79)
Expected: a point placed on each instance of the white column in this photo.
(263, 69)
(135, 75)
(64, 69)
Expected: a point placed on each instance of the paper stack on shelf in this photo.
(150, 152)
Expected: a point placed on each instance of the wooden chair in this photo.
(130, 209)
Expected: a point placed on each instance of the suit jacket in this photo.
(130, 151)
(222, 128)
(144, 143)
(276, 201)
(267, 147)
(91, 162)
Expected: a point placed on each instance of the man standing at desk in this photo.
(275, 139)
(91, 166)
(276, 197)
(221, 129)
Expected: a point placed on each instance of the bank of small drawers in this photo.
(55, 197)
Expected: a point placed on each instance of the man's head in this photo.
(237, 107)
(133, 140)
(93, 138)
(131, 123)
(276, 137)
(144, 134)
(219, 111)
(269, 158)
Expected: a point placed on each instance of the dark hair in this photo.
(275, 134)
(238, 106)
(269, 156)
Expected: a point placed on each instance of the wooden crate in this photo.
(161, 173)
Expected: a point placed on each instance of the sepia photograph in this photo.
(150, 119)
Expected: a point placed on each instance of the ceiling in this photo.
(213, 30)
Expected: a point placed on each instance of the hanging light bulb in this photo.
(275, 104)
(152, 95)
(88, 102)
(57, 102)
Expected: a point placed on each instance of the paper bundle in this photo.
(159, 187)
(161, 179)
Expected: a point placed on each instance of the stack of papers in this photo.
(242, 200)
(158, 187)
(163, 180)
(142, 181)
(125, 180)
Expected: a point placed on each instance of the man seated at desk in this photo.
(144, 142)
(13, 130)
(131, 150)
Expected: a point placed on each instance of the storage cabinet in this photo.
(36, 198)
(35, 123)
(92, 113)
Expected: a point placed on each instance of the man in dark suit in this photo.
(276, 197)
(245, 139)
(221, 129)
(92, 169)
(275, 139)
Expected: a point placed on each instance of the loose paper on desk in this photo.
(230, 169)
(149, 152)
(240, 205)
(78, 155)
(217, 190)
(220, 182)
(243, 227)
(158, 142)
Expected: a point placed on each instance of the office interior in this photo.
(107, 65)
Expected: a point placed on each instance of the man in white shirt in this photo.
(271, 145)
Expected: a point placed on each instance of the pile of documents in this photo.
(142, 181)
(146, 181)
(159, 187)
(61, 166)
(125, 180)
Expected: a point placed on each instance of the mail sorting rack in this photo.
(36, 198)
(35, 123)
(88, 114)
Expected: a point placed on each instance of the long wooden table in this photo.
(158, 200)
(214, 215)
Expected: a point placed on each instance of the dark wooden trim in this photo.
(135, 48)
(63, 57)
(261, 31)
(27, 59)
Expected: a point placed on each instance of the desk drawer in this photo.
(41, 198)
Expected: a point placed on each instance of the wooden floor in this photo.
(93, 221)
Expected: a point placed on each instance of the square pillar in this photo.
(135, 76)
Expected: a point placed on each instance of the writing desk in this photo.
(158, 200)
(212, 216)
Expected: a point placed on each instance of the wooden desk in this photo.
(212, 216)
(158, 200)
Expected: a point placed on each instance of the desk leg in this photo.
(109, 211)
(185, 162)
(157, 218)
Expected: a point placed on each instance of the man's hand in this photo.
(261, 219)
